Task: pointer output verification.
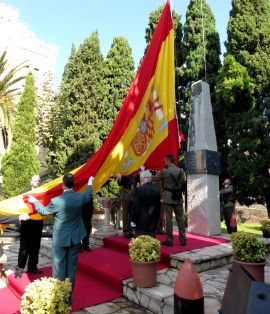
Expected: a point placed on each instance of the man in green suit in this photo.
(68, 230)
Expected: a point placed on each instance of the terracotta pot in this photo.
(266, 233)
(144, 274)
(255, 269)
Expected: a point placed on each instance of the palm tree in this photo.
(8, 91)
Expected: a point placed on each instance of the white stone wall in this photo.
(23, 45)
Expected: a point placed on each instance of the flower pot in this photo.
(266, 233)
(255, 269)
(144, 274)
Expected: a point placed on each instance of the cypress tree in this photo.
(21, 163)
(249, 40)
(249, 43)
(82, 108)
(201, 53)
(234, 94)
(119, 74)
(44, 105)
(57, 117)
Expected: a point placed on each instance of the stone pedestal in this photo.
(203, 165)
(203, 204)
(106, 229)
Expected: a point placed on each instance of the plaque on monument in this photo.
(202, 162)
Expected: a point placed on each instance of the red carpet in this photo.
(9, 304)
(193, 242)
(87, 291)
(101, 272)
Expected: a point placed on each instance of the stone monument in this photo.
(203, 165)
(106, 229)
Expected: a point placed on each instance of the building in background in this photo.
(23, 45)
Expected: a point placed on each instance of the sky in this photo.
(63, 22)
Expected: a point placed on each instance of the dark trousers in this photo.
(126, 214)
(87, 214)
(227, 213)
(65, 262)
(31, 231)
(161, 221)
(179, 216)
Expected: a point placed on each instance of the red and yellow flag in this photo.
(145, 129)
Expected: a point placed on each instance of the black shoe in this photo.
(87, 249)
(167, 243)
(183, 242)
(34, 271)
(128, 235)
(18, 273)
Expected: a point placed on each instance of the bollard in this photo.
(243, 294)
(188, 291)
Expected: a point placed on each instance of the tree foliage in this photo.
(8, 80)
(248, 129)
(20, 163)
(9, 77)
(234, 94)
(201, 51)
(152, 24)
(80, 109)
(249, 40)
(43, 111)
(119, 74)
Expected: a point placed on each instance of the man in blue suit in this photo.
(68, 228)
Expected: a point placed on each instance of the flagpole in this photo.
(175, 111)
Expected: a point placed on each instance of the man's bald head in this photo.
(35, 181)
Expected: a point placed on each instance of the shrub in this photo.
(265, 224)
(46, 295)
(247, 248)
(144, 249)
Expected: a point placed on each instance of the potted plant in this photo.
(249, 252)
(265, 226)
(46, 295)
(144, 253)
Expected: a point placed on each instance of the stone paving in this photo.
(158, 299)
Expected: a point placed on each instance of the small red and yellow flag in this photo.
(145, 129)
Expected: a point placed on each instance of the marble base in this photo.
(203, 204)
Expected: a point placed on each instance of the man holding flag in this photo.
(69, 229)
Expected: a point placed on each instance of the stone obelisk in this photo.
(203, 165)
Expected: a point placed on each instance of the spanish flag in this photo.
(143, 133)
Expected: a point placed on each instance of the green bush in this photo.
(144, 249)
(110, 189)
(20, 163)
(265, 224)
(46, 295)
(247, 248)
